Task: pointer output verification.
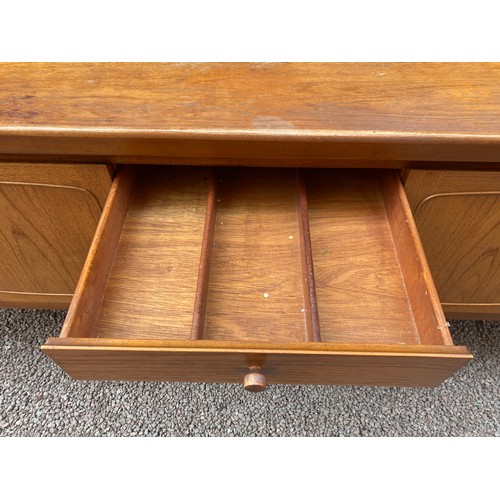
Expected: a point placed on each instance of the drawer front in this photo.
(293, 277)
(48, 217)
(411, 366)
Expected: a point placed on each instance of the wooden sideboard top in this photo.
(252, 113)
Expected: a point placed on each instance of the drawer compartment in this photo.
(272, 275)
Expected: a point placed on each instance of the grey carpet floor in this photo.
(38, 399)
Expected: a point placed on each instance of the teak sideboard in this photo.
(261, 223)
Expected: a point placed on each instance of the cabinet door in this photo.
(458, 218)
(48, 216)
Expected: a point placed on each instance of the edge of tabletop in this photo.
(266, 134)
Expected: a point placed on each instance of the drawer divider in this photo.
(313, 333)
(207, 244)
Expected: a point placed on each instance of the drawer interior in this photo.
(257, 255)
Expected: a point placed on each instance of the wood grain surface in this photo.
(85, 307)
(237, 111)
(424, 301)
(475, 311)
(33, 300)
(458, 218)
(367, 288)
(45, 233)
(422, 183)
(360, 288)
(461, 234)
(256, 290)
(305, 363)
(151, 288)
(48, 215)
(93, 178)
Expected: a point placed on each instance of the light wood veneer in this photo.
(458, 218)
(48, 216)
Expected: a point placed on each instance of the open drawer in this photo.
(257, 276)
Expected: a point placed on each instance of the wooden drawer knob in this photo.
(255, 381)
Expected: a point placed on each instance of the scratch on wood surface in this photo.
(271, 122)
